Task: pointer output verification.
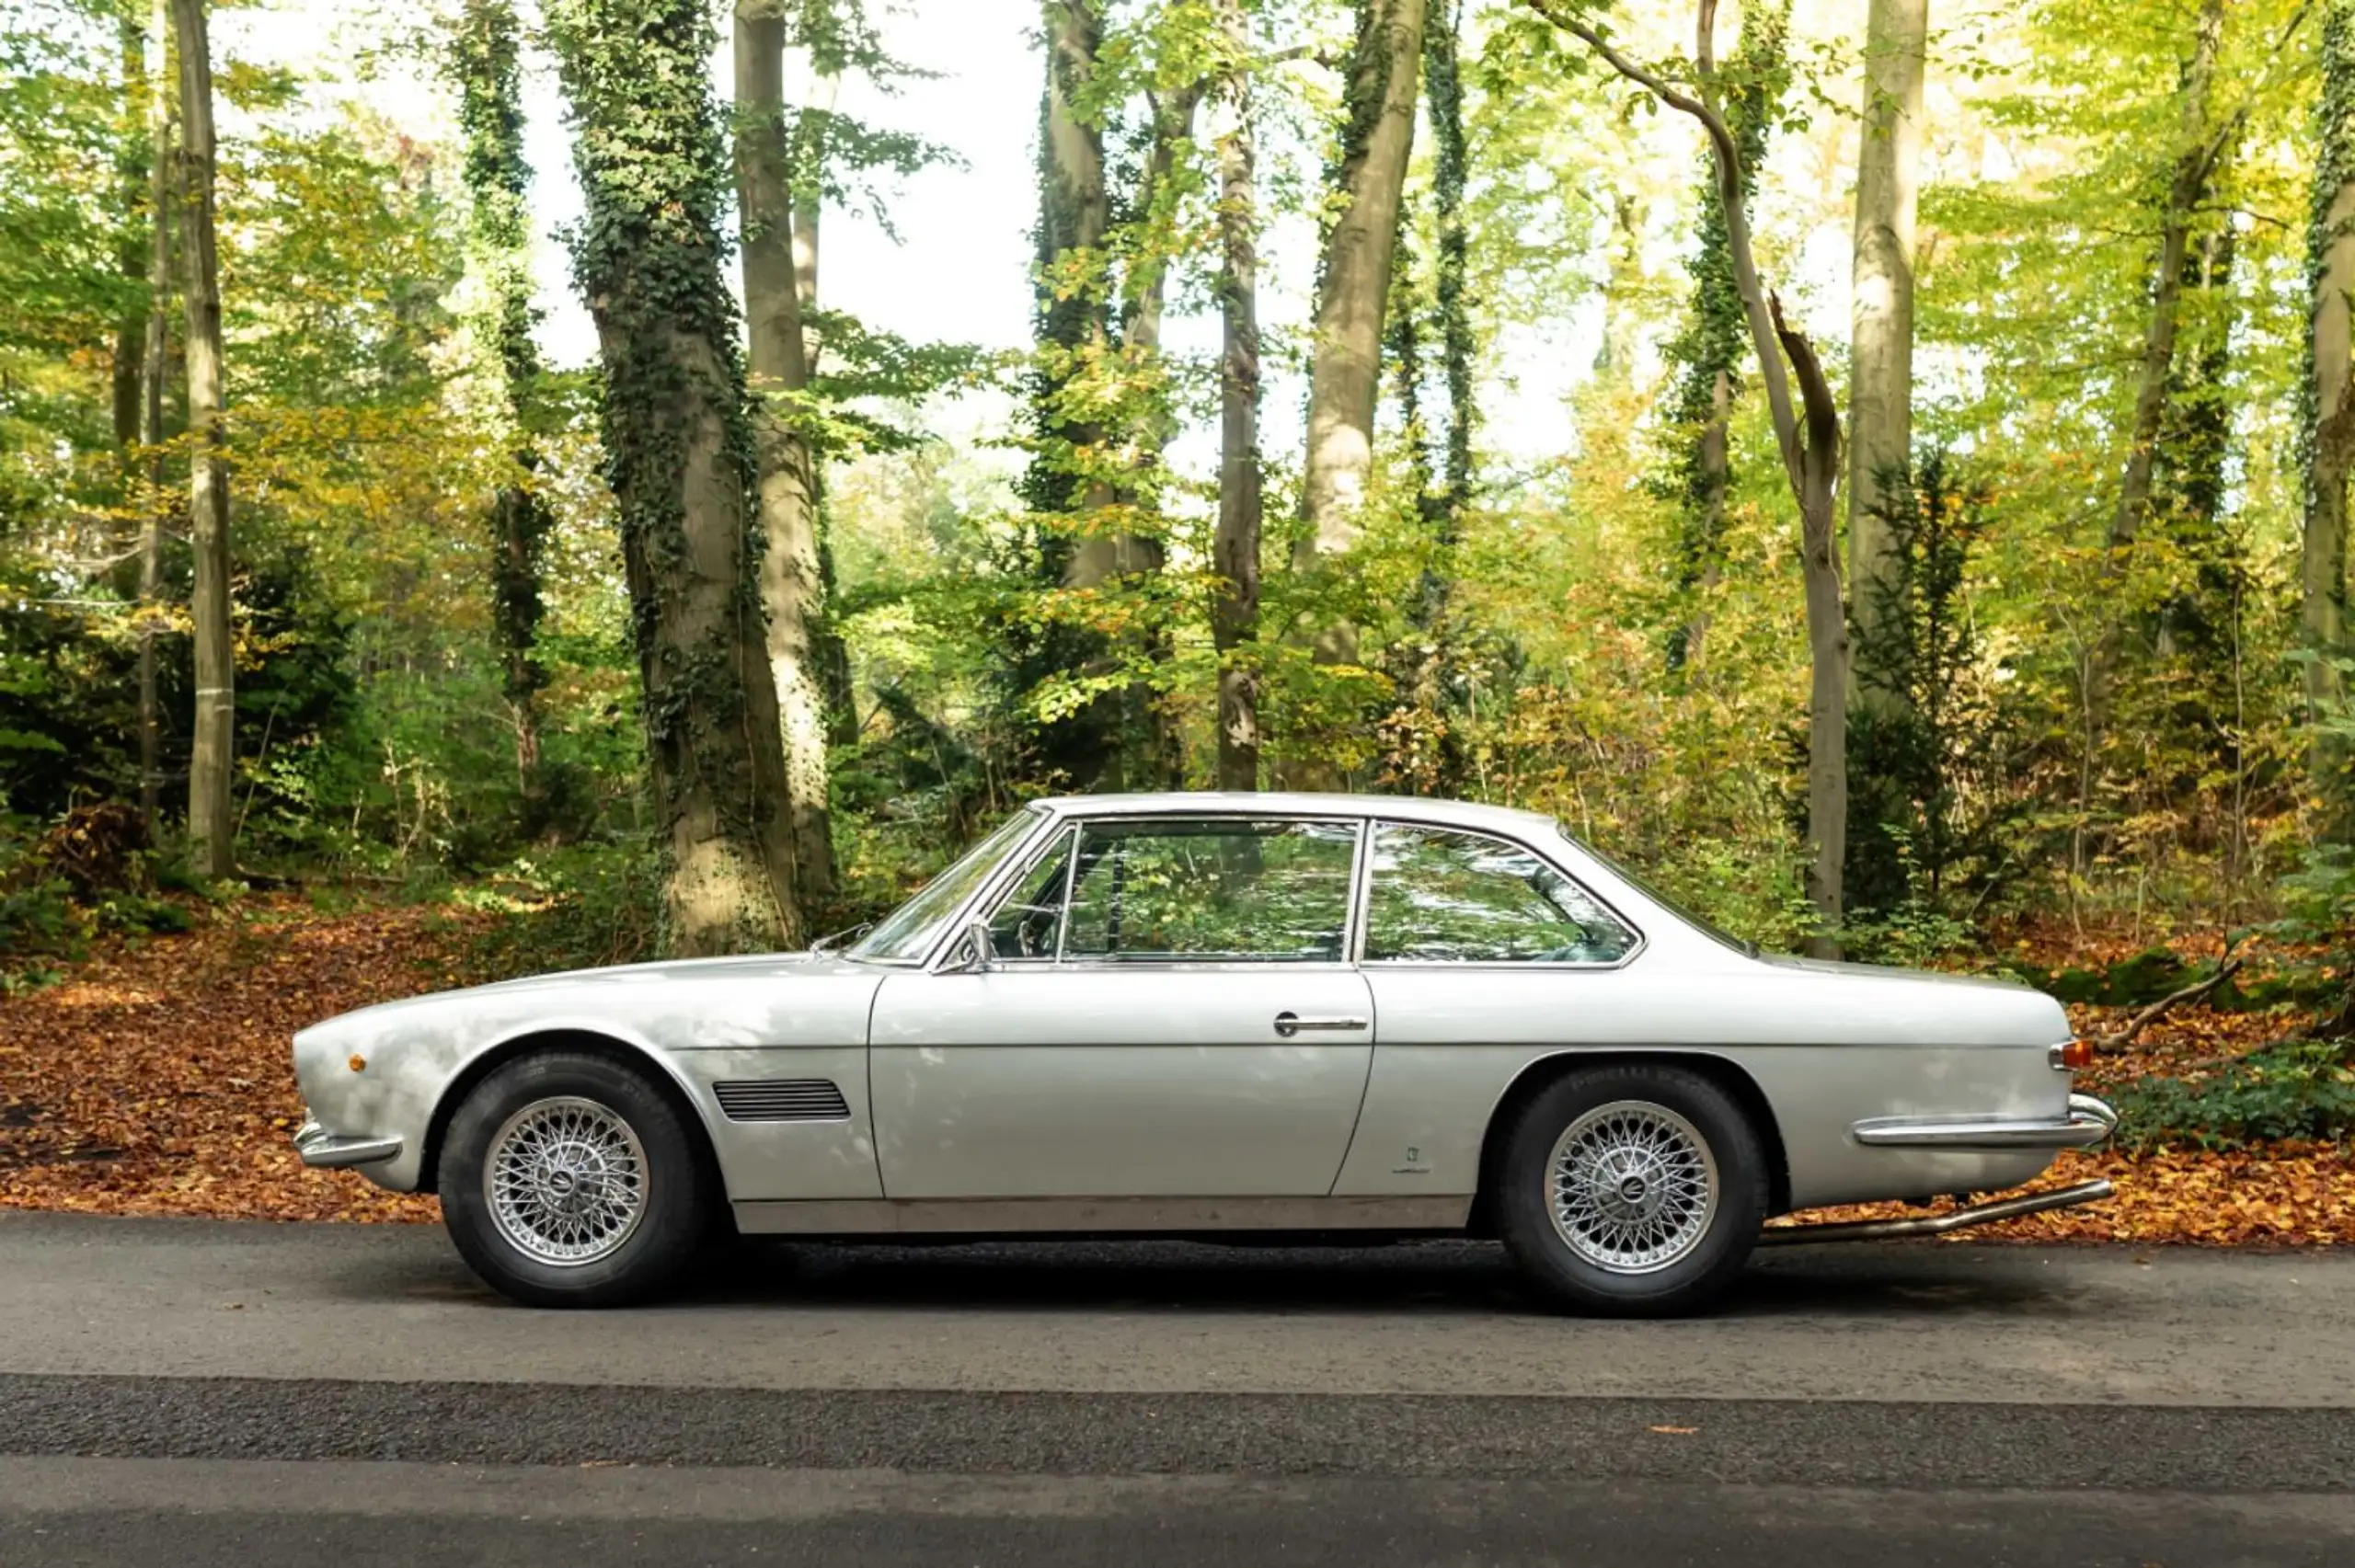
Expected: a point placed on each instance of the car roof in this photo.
(1303, 803)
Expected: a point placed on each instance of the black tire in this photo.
(1700, 1267)
(676, 1202)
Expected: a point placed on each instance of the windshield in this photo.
(908, 933)
(1707, 928)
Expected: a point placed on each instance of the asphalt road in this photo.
(196, 1393)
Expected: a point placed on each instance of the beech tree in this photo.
(1235, 611)
(486, 60)
(1880, 374)
(777, 270)
(154, 349)
(1353, 270)
(679, 458)
(1809, 437)
(2328, 436)
(212, 755)
(1709, 352)
(2202, 141)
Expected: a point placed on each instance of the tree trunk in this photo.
(2199, 147)
(1716, 340)
(1353, 275)
(153, 350)
(1145, 286)
(2329, 399)
(139, 152)
(679, 460)
(211, 849)
(1235, 610)
(1880, 381)
(1451, 169)
(779, 372)
(1808, 438)
(487, 58)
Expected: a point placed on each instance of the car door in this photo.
(1479, 951)
(1169, 1012)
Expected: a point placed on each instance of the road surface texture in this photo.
(194, 1393)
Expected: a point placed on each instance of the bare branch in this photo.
(1720, 137)
(2110, 1044)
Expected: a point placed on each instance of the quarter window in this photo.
(1027, 925)
(1439, 897)
(1216, 890)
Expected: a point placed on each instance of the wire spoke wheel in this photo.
(565, 1181)
(1632, 1187)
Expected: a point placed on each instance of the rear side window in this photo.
(1439, 896)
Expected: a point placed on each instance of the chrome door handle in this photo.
(1289, 1023)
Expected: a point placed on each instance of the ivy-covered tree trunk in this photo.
(1808, 435)
(486, 59)
(154, 349)
(2198, 146)
(1144, 286)
(780, 369)
(1235, 610)
(212, 755)
(679, 458)
(137, 151)
(1353, 271)
(2328, 436)
(1880, 376)
(1451, 169)
(1709, 352)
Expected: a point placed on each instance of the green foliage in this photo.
(1933, 806)
(576, 907)
(2303, 1090)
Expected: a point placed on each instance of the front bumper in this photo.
(332, 1151)
(2089, 1122)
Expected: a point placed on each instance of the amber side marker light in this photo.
(2077, 1054)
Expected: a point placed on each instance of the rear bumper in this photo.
(329, 1150)
(2089, 1122)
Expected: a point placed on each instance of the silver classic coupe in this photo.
(1215, 1015)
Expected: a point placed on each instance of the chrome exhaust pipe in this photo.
(1937, 1224)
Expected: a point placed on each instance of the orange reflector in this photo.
(359, 1063)
(2077, 1054)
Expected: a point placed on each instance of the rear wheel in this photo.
(1632, 1191)
(570, 1180)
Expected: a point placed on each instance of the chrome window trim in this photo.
(1509, 966)
(1028, 854)
(991, 889)
(1346, 960)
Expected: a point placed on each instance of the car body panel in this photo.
(1070, 1095)
(1122, 1080)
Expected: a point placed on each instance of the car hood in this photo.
(621, 979)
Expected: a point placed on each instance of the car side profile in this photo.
(1212, 1016)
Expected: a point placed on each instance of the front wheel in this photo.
(1633, 1191)
(570, 1180)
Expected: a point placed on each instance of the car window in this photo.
(1440, 897)
(1028, 924)
(1248, 891)
(908, 933)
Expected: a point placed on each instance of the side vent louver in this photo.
(782, 1100)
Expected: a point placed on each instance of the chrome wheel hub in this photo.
(1632, 1186)
(565, 1181)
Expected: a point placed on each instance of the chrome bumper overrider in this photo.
(1937, 1224)
(320, 1148)
(2089, 1121)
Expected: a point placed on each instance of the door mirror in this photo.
(971, 952)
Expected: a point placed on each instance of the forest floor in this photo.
(153, 1078)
